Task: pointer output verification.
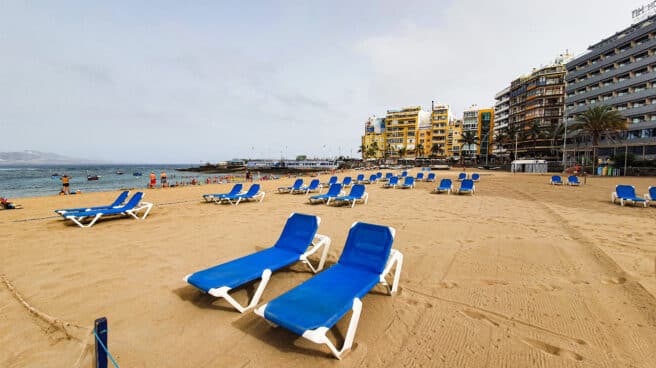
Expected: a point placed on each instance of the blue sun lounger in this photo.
(650, 196)
(404, 174)
(408, 182)
(131, 208)
(626, 193)
(372, 179)
(253, 194)
(387, 177)
(359, 179)
(299, 233)
(392, 183)
(357, 194)
(334, 191)
(446, 185)
(420, 176)
(117, 203)
(331, 181)
(296, 186)
(379, 175)
(236, 189)
(467, 186)
(347, 182)
(556, 180)
(315, 186)
(311, 309)
(573, 180)
(430, 178)
(462, 176)
(475, 177)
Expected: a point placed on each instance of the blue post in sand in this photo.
(100, 329)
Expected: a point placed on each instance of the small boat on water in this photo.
(93, 177)
(55, 176)
(119, 172)
(137, 173)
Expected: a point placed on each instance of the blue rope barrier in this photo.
(104, 348)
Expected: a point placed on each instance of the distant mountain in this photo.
(29, 157)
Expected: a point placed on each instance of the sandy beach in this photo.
(522, 274)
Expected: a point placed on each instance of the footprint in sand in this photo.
(495, 282)
(552, 350)
(548, 287)
(479, 317)
(617, 280)
(447, 284)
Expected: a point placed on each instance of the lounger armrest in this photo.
(396, 258)
(319, 335)
(319, 242)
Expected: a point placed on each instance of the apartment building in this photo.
(401, 130)
(374, 138)
(536, 109)
(470, 124)
(501, 113)
(440, 118)
(619, 71)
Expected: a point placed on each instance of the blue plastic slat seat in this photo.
(117, 202)
(327, 297)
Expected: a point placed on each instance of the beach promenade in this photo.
(521, 274)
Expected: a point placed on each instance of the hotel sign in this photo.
(643, 12)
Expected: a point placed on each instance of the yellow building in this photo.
(401, 130)
(485, 131)
(424, 142)
(440, 117)
(454, 132)
(373, 140)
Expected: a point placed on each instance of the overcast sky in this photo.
(184, 82)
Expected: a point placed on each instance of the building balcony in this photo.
(617, 100)
(611, 73)
(611, 59)
(647, 77)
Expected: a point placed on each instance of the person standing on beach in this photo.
(153, 180)
(162, 179)
(66, 184)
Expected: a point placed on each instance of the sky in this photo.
(205, 81)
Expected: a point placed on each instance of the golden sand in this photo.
(520, 274)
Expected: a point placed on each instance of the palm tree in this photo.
(468, 138)
(402, 151)
(598, 120)
(510, 134)
(435, 149)
(362, 150)
(534, 133)
(419, 150)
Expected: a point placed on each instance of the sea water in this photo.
(16, 182)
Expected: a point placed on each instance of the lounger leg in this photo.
(366, 198)
(324, 242)
(262, 198)
(222, 292)
(318, 335)
(396, 258)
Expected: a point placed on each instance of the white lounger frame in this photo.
(448, 191)
(364, 199)
(258, 197)
(473, 189)
(133, 212)
(649, 199)
(613, 198)
(574, 184)
(223, 291)
(217, 198)
(320, 335)
(341, 194)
